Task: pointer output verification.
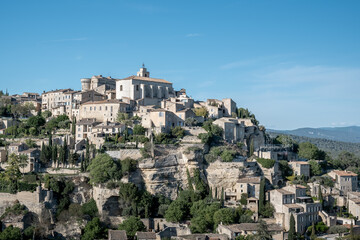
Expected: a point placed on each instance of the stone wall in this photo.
(124, 153)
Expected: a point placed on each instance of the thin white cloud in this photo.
(193, 35)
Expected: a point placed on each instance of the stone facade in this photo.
(292, 200)
(103, 111)
(345, 181)
(301, 168)
(143, 88)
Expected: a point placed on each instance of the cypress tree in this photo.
(66, 152)
(251, 151)
(216, 194)
(291, 234)
(190, 185)
(54, 155)
(222, 197)
(82, 162)
(73, 126)
(321, 198)
(262, 196)
(43, 158)
(50, 140)
(87, 155)
(313, 235)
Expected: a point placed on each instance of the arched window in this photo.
(121, 88)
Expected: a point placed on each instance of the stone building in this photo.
(292, 200)
(55, 101)
(233, 231)
(250, 186)
(98, 83)
(219, 108)
(144, 89)
(345, 181)
(103, 111)
(301, 168)
(353, 203)
(275, 153)
(161, 121)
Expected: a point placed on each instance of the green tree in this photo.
(225, 215)
(93, 230)
(177, 132)
(320, 196)
(23, 161)
(308, 150)
(222, 198)
(11, 233)
(138, 130)
(313, 235)
(128, 165)
(177, 211)
(43, 154)
(90, 208)
(292, 233)
(201, 112)
(54, 153)
(73, 126)
(132, 225)
(103, 168)
(263, 232)
(315, 168)
(262, 195)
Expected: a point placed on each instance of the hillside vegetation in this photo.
(333, 148)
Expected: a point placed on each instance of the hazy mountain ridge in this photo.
(330, 146)
(342, 134)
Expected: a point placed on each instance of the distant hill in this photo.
(343, 134)
(330, 146)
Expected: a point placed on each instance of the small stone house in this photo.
(117, 235)
(145, 235)
(301, 168)
(345, 181)
(245, 229)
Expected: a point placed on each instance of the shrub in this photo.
(178, 132)
(90, 208)
(266, 163)
(227, 155)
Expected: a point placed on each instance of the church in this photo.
(143, 89)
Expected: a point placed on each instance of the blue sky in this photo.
(293, 63)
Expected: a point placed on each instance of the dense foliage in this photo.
(266, 163)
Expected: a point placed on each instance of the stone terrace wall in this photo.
(124, 153)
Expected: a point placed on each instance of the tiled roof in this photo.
(249, 180)
(117, 235)
(105, 101)
(145, 235)
(252, 227)
(345, 173)
(283, 191)
(146, 79)
(300, 162)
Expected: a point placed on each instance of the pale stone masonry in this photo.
(275, 153)
(144, 89)
(103, 111)
(292, 200)
(161, 120)
(300, 168)
(98, 83)
(244, 229)
(345, 181)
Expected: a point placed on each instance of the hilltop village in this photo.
(134, 158)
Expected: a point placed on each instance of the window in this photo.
(137, 87)
(94, 108)
(111, 109)
(100, 108)
(90, 108)
(106, 108)
(161, 114)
